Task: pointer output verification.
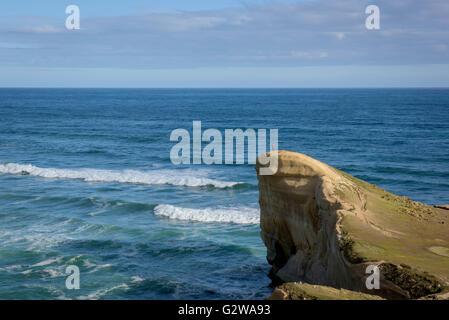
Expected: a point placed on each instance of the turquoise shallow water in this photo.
(86, 180)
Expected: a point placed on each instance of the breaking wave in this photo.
(159, 177)
(239, 215)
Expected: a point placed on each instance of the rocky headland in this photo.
(323, 228)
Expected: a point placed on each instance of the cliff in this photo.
(325, 227)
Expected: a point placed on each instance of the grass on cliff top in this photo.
(397, 230)
(305, 291)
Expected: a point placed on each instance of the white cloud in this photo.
(340, 35)
(308, 54)
(46, 29)
(13, 45)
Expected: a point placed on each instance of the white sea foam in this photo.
(240, 215)
(53, 273)
(100, 293)
(152, 177)
(101, 266)
(136, 279)
(46, 262)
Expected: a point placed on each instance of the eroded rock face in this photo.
(299, 222)
(324, 227)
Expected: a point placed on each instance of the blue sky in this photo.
(96, 8)
(224, 43)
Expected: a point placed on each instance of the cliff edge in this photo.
(324, 227)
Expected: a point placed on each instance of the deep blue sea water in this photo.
(86, 180)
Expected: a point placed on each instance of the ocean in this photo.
(86, 180)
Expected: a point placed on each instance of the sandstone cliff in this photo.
(324, 227)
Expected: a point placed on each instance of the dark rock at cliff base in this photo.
(325, 227)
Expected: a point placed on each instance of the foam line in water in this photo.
(240, 215)
(160, 177)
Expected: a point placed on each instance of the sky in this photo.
(224, 43)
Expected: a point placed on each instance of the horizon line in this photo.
(228, 88)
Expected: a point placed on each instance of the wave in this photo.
(102, 292)
(160, 177)
(90, 202)
(239, 215)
